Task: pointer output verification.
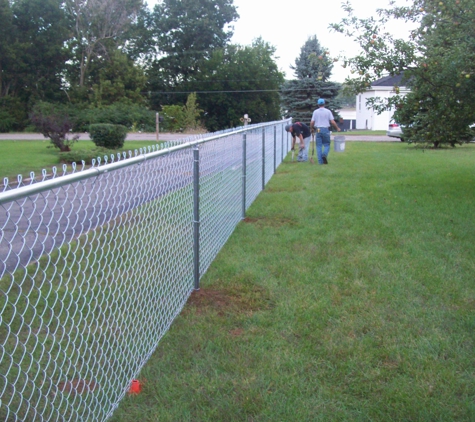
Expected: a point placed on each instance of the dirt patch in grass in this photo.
(237, 332)
(235, 299)
(291, 189)
(270, 221)
(77, 386)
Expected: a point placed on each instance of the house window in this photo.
(359, 101)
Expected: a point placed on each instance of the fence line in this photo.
(96, 264)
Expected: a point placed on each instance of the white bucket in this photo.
(339, 143)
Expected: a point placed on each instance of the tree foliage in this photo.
(192, 113)
(186, 33)
(98, 24)
(178, 118)
(104, 58)
(239, 80)
(313, 69)
(437, 60)
(32, 55)
(117, 79)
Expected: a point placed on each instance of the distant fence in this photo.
(96, 264)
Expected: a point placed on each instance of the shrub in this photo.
(107, 135)
(7, 122)
(177, 118)
(53, 122)
(13, 114)
(174, 118)
(129, 115)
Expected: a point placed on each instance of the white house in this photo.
(367, 118)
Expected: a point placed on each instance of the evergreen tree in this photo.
(313, 69)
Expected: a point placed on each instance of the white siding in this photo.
(367, 118)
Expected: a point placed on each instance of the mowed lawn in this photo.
(20, 157)
(347, 294)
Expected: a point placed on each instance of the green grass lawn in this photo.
(347, 294)
(22, 156)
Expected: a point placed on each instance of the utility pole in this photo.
(158, 125)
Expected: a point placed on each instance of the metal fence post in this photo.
(282, 144)
(275, 147)
(196, 216)
(244, 170)
(263, 158)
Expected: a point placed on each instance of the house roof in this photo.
(389, 80)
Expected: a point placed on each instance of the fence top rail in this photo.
(62, 180)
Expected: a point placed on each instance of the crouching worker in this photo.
(301, 131)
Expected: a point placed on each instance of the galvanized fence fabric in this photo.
(96, 263)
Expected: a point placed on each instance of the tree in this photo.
(438, 63)
(186, 33)
(32, 56)
(7, 54)
(41, 32)
(239, 80)
(97, 25)
(118, 80)
(53, 122)
(48, 48)
(313, 70)
(191, 112)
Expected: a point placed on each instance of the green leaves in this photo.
(438, 62)
(239, 80)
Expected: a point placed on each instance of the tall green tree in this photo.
(186, 33)
(312, 69)
(117, 79)
(437, 60)
(239, 80)
(32, 56)
(41, 33)
(7, 40)
(97, 26)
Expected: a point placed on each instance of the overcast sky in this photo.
(287, 27)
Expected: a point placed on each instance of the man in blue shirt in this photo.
(322, 118)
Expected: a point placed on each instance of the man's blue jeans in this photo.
(323, 143)
(303, 154)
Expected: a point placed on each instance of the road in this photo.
(85, 137)
(350, 136)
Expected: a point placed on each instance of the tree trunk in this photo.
(82, 71)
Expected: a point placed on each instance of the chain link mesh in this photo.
(96, 264)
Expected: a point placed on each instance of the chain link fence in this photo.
(96, 263)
